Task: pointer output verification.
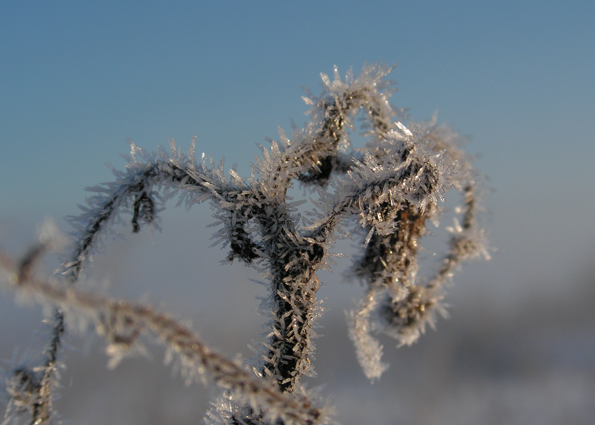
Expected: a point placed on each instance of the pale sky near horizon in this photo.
(78, 79)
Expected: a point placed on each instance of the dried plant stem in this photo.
(391, 188)
(139, 319)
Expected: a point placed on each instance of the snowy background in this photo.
(516, 76)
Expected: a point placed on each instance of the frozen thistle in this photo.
(387, 191)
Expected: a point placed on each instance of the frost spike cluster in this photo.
(386, 191)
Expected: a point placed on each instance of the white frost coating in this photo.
(384, 193)
(367, 348)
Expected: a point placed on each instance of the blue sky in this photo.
(78, 79)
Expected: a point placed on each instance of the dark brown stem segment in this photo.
(294, 287)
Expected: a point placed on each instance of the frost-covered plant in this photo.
(387, 191)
